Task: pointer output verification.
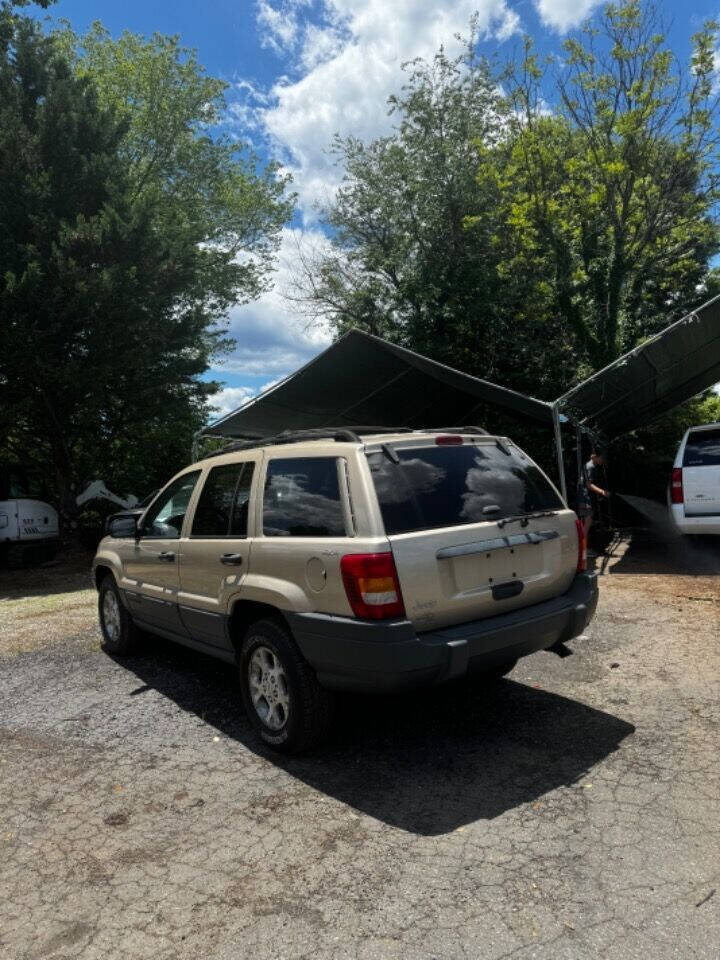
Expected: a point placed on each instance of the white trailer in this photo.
(29, 526)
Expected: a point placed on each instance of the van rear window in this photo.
(702, 449)
(453, 485)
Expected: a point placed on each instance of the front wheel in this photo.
(120, 635)
(284, 701)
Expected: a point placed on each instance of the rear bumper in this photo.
(358, 655)
(694, 524)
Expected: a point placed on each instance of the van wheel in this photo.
(284, 701)
(120, 635)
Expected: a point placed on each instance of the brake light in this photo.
(676, 486)
(445, 439)
(372, 585)
(582, 546)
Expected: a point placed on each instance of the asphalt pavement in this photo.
(571, 811)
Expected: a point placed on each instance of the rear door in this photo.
(457, 518)
(215, 555)
(701, 473)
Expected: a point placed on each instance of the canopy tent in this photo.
(361, 379)
(673, 366)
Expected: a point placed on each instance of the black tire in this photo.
(288, 679)
(124, 641)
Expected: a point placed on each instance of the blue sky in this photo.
(301, 71)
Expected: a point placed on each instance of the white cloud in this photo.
(278, 24)
(349, 64)
(270, 383)
(273, 338)
(229, 399)
(562, 15)
(320, 44)
(342, 59)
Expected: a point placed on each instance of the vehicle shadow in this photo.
(427, 762)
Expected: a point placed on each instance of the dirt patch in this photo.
(45, 605)
(30, 623)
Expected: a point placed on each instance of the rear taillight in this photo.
(372, 586)
(676, 486)
(582, 546)
(446, 439)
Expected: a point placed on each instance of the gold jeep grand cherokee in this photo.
(349, 559)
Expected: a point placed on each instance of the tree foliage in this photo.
(531, 225)
(613, 193)
(403, 263)
(114, 273)
(177, 162)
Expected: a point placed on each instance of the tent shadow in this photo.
(428, 762)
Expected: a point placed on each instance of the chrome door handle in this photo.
(231, 559)
(167, 555)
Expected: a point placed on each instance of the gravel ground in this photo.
(572, 811)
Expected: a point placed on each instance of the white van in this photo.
(694, 494)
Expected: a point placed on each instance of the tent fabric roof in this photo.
(673, 366)
(358, 379)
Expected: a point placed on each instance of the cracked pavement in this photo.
(572, 811)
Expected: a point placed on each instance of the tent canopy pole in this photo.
(559, 450)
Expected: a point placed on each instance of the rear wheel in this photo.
(120, 635)
(283, 699)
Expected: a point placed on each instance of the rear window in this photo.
(302, 498)
(702, 449)
(454, 485)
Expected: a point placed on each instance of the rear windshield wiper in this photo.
(390, 452)
(525, 518)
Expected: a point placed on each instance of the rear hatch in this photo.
(475, 527)
(701, 473)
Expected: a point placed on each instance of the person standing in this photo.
(594, 476)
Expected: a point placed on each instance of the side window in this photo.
(222, 509)
(165, 517)
(302, 498)
(239, 518)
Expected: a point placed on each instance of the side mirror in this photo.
(123, 526)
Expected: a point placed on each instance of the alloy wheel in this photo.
(268, 688)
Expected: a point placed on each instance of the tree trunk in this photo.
(616, 280)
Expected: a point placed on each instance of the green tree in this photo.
(403, 264)
(611, 193)
(176, 159)
(112, 292)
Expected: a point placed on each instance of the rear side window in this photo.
(454, 485)
(222, 509)
(302, 498)
(702, 449)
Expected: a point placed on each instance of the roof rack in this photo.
(341, 434)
